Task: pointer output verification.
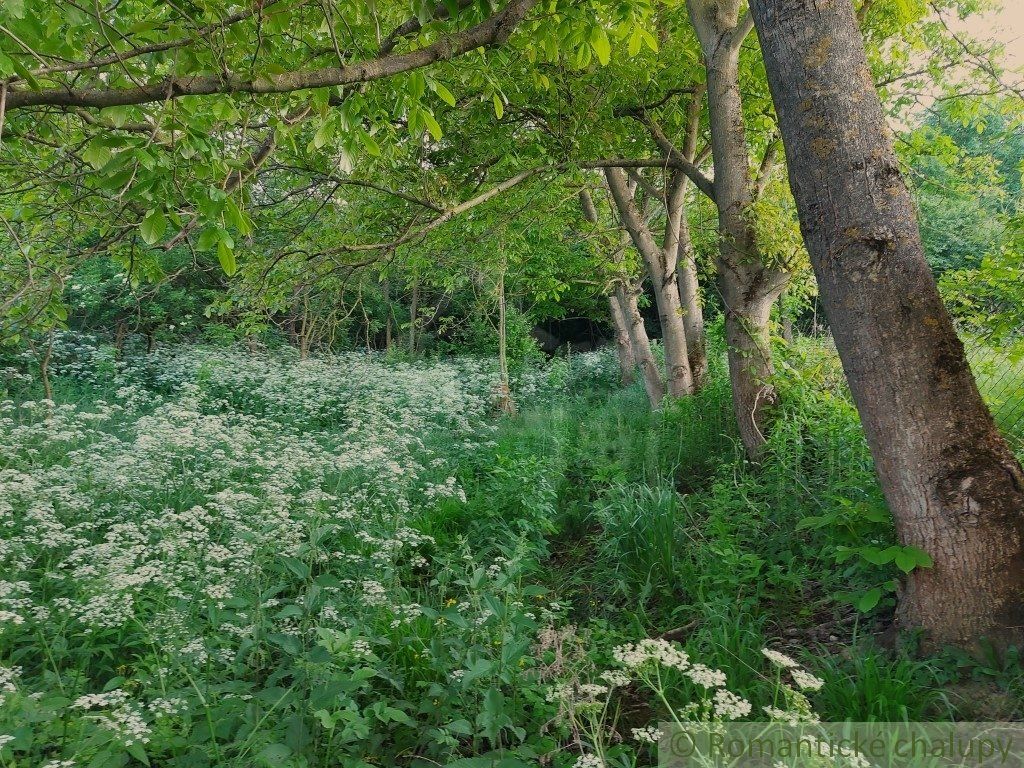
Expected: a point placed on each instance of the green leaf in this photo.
(137, 751)
(869, 600)
(877, 556)
(444, 94)
(15, 7)
(289, 612)
(651, 40)
(636, 40)
(369, 144)
(479, 668)
(208, 238)
(96, 154)
(323, 134)
(296, 566)
(117, 116)
(391, 714)
(499, 105)
(325, 718)
(417, 85)
(909, 558)
(153, 226)
(6, 65)
(461, 727)
(877, 514)
(432, 125)
(601, 45)
(237, 219)
(274, 755)
(223, 109)
(226, 255)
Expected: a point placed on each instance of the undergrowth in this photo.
(215, 558)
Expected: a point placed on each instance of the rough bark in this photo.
(746, 285)
(954, 487)
(661, 266)
(623, 345)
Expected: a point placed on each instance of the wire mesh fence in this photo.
(999, 370)
(998, 367)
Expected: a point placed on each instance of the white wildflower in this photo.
(729, 706)
(806, 680)
(706, 676)
(779, 659)
(647, 735)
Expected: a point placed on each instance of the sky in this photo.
(1006, 26)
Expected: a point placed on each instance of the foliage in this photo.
(965, 163)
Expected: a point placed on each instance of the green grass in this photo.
(663, 527)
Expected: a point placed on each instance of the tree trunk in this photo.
(625, 298)
(120, 335)
(642, 353)
(414, 308)
(305, 328)
(44, 367)
(661, 266)
(746, 285)
(678, 228)
(785, 321)
(386, 290)
(627, 365)
(693, 311)
(750, 366)
(505, 403)
(954, 487)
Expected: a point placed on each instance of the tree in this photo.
(748, 286)
(631, 334)
(965, 163)
(955, 489)
(661, 266)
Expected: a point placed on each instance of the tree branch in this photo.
(675, 158)
(445, 217)
(492, 31)
(764, 172)
(413, 26)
